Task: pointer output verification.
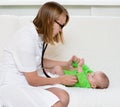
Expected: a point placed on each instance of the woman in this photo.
(24, 62)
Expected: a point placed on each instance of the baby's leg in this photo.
(80, 65)
(57, 70)
(82, 61)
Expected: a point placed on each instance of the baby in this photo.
(87, 78)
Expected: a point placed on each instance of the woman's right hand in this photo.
(67, 80)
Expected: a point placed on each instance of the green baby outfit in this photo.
(82, 76)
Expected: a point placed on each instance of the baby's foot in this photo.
(80, 65)
(81, 62)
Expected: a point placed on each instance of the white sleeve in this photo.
(24, 53)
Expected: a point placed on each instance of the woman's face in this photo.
(59, 24)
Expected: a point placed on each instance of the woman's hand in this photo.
(67, 80)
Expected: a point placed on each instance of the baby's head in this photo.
(98, 80)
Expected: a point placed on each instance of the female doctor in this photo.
(24, 58)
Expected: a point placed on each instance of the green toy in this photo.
(74, 64)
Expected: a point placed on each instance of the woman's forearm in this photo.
(34, 80)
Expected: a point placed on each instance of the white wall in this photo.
(82, 8)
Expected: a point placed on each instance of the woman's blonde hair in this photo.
(45, 19)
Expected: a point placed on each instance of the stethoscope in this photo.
(43, 51)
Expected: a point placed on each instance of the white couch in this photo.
(97, 39)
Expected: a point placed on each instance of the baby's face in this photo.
(94, 78)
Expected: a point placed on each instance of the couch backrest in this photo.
(9, 24)
(94, 38)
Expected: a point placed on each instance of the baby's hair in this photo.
(104, 82)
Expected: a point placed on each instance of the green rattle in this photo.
(74, 64)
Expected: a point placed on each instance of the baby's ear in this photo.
(93, 85)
